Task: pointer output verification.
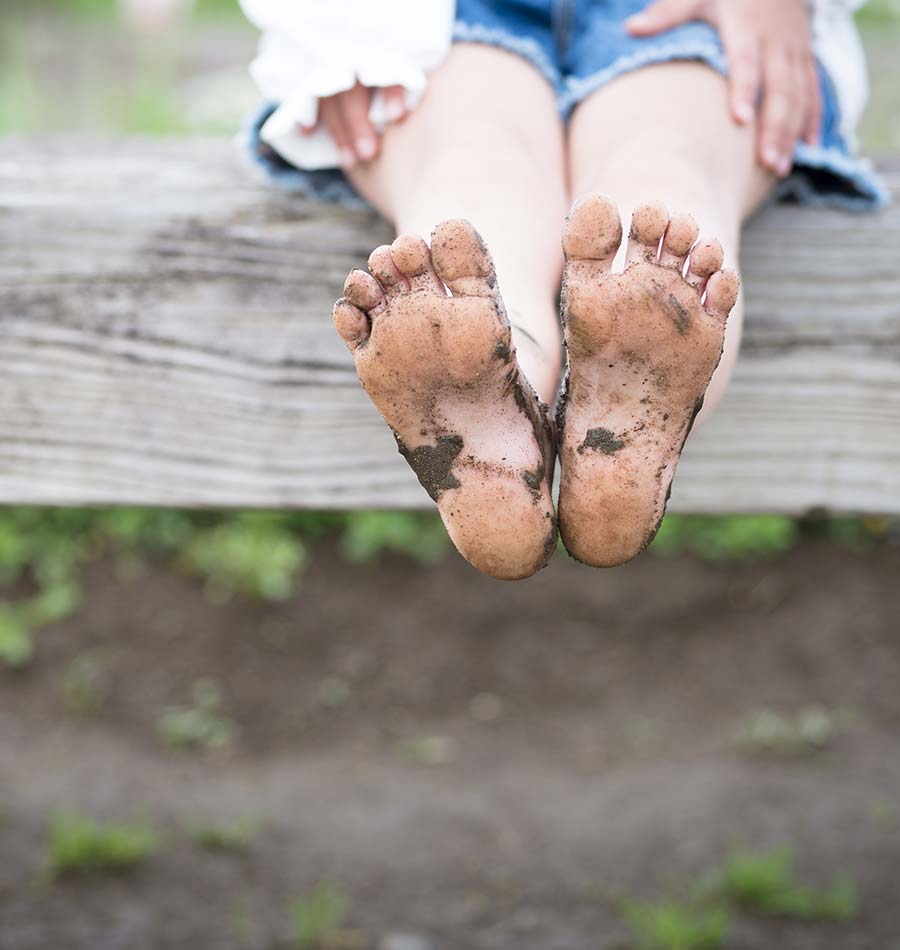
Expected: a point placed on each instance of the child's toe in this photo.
(721, 293)
(593, 231)
(706, 258)
(461, 259)
(412, 258)
(363, 291)
(386, 272)
(648, 225)
(679, 239)
(351, 323)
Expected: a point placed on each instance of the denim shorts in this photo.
(579, 46)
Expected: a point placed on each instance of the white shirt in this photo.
(315, 48)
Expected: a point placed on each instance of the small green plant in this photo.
(769, 732)
(201, 725)
(253, 553)
(236, 835)
(429, 750)
(716, 538)
(765, 882)
(419, 536)
(318, 916)
(16, 644)
(77, 844)
(667, 925)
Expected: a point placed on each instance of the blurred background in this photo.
(271, 730)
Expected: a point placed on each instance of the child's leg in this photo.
(485, 144)
(665, 133)
(642, 345)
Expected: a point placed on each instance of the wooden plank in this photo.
(165, 339)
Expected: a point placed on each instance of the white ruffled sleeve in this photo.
(316, 48)
(840, 50)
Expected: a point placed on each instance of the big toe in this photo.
(461, 259)
(593, 230)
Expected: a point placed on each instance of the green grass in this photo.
(769, 732)
(764, 882)
(77, 844)
(258, 554)
(318, 916)
(236, 835)
(200, 726)
(668, 925)
(752, 882)
(717, 538)
(253, 553)
(263, 554)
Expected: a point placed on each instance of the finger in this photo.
(775, 144)
(659, 16)
(813, 128)
(394, 103)
(743, 54)
(355, 109)
(799, 109)
(332, 117)
(309, 129)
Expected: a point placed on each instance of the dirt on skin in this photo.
(484, 765)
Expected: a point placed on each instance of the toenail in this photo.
(365, 148)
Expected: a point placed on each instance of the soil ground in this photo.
(484, 765)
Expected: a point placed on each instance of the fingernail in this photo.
(393, 110)
(771, 157)
(784, 165)
(743, 111)
(365, 148)
(638, 21)
(347, 158)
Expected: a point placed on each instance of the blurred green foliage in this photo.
(765, 882)
(257, 554)
(201, 725)
(79, 844)
(769, 732)
(262, 555)
(667, 925)
(235, 835)
(318, 916)
(728, 537)
(755, 882)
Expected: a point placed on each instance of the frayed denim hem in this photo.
(520, 45)
(828, 176)
(823, 175)
(328, 185)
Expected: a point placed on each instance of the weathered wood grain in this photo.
(165, 339)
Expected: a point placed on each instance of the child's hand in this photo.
(769, 48)
(346, 116)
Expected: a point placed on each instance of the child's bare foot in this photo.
(641, 350)
(442, 371)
